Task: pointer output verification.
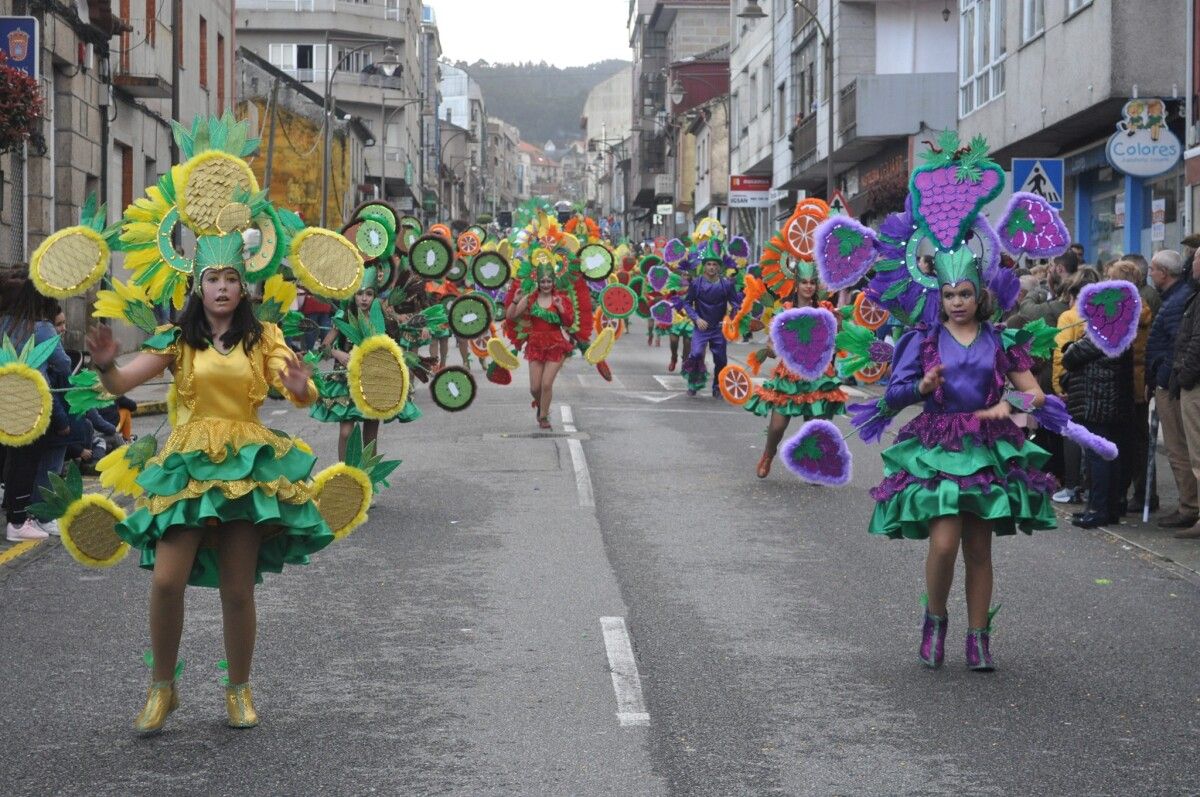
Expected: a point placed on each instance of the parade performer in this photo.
(540, 319)
(709, 298)
(786, 395)
(225, 499)
(334, 404)
(962, 470)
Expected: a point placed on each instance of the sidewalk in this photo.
(151, 399)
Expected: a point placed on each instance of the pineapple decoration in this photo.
(24, 393)
(343, 491)
(378, 369)
(74, 259)
(87, 523)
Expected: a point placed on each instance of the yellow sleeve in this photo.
(278, 354)
(1069, 332)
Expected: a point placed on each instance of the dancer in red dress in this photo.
(538, 321)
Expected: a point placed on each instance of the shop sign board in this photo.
(19, 42)
(749, 191)
(1158, 220)
(1143, 145)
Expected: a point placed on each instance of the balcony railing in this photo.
(390, 10)
(361, 78)
(848, 111)
(804, 139)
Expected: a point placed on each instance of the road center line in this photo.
(583, 478)
(18, 549)
(631, 708)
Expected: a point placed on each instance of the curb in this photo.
(150, 408)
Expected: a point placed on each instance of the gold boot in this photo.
(161, 699)
(240, 706)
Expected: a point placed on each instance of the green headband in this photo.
(219, 252)
(959, 265)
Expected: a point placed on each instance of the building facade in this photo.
(369, 55)
(501, 184)
(1111, 117)
(462, 106)
(606, 122)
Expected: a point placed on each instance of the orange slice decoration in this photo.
(798, 234)
(735, 384)
(872, 373)
(780, 281)
(468, 243)
(812, 206)
(479, 345)
(868, 314)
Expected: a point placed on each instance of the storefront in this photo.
(1123, 202)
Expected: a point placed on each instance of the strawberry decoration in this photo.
(1030, 226)
(952, 187)
(1111, 311)
(804, 339)
(818, 454)
(845, 251)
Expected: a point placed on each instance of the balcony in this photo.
(388, 10)
(875, 108)
(804, 141)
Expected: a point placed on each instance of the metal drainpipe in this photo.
(1189, 137)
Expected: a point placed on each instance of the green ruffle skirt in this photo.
(1000, 482)
(793, 397)
(291, 529)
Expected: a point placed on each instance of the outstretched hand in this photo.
(996, 412)
(295, 376)
(102, 346)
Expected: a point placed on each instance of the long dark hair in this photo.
(244, 327)
(26, 308)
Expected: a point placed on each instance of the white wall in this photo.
(911, 37)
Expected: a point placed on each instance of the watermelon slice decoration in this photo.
(490, 270)
(1111, 311)
(818, 454)
(643, 308)
(430, 256)
(657, 278)
(674, 251)
(953, 186)
(453, 389)
(662, 312)
(648, 262)
(804, 339)
(470, 316)
(618, 301)
(596, 261)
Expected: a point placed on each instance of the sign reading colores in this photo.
(1143, 145)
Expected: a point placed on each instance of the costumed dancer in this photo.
(962, 470)
(334, 404)
(709, 298)
(786, 394)
(539, 320)
(226, 499)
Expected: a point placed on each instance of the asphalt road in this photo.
(455, 645)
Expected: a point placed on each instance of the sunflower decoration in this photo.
(73, 260)
(24, 393)
(343, 491)
(87, 523)
(378, 371)
(119, 469)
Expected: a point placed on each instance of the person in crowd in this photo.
(1176, 287)
(27, 315)
(1185, 384)
(1149, 294)
(318, 313)
(1137, 440)
(1070, 330)
(1076, 249)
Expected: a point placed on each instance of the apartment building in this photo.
(368, 53)
(462, 107)
(501, 175)
(1095, 88)
(606, 121)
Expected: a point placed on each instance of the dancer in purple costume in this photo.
(709, 298)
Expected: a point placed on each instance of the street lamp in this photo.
(390, 61)
(753, 11)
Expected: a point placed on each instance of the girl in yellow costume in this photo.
(226, 498)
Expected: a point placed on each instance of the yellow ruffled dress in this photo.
(222, 464)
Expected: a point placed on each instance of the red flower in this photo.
(20, 106)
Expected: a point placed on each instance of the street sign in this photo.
(1041, 176)
(749, 190)
(1143, 145)
(19, 42)
(665, 210)
(838, 206)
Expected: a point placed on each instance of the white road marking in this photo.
(583, 478)
(853, 391)
(279, 412)
(662, 409)
(671, 382)
(595, 380)
(631, 708)
(653, 398)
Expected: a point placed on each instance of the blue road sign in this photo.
(19, 42)
(1041, 176)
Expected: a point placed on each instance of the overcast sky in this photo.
(559, 32)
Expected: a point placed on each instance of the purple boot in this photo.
(979, 654)
(933, 639)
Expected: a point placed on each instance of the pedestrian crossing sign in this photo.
(1041, 176)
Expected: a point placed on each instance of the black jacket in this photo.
(1185, 370)
(1099, 388)
(1160, 345)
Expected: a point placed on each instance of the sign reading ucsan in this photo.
(1143, 145)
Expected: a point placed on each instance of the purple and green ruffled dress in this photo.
(946, 461)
